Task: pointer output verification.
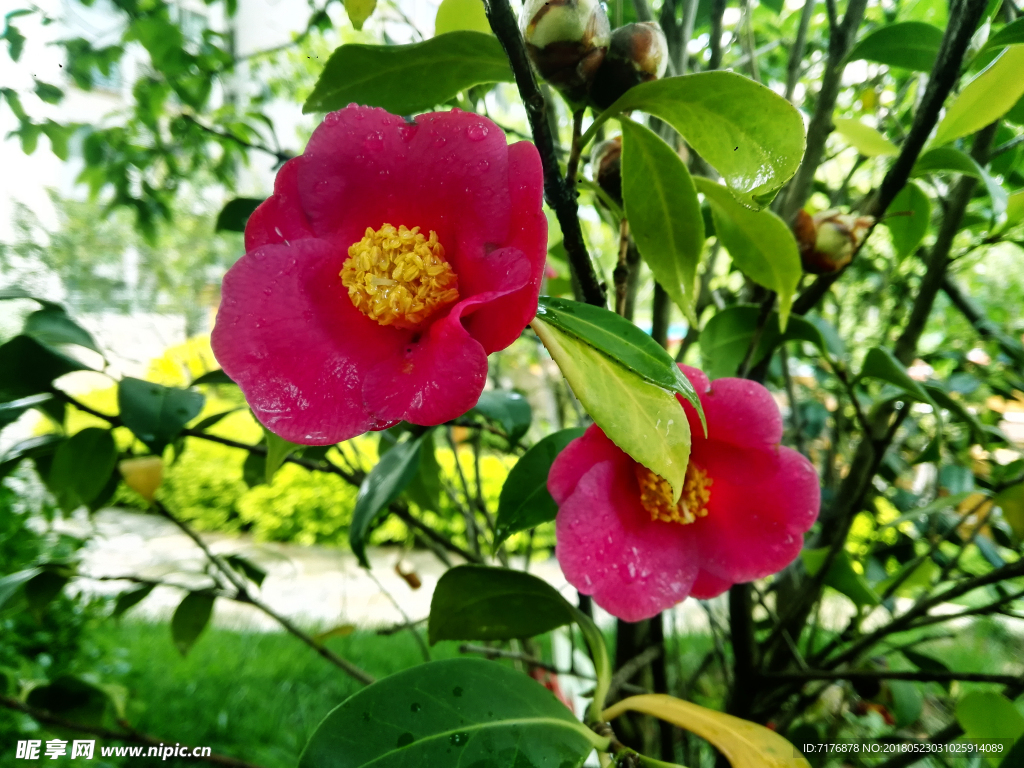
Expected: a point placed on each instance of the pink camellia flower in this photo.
(392, 258)
(745, 505)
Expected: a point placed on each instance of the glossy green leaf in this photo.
(987, 97)
(1011, 34)
(247, 568)
(476, 602)
(727, 336)
(424, 490)
(190, 619)
(879, 363)
(863, 138)
(752, 136)
(1015, 209)
(81, 467)
(379, 75)
(33, 448)
(759, 242)
(622, 341)
(986, 715)
(644, 420)
(841, 575)
(446, 714)
(235, 213)
(53, 326)
(525, 501)
(953, 160)
(29, 368)
(12, 410)
(509, 409)
(278, 449)
(130, 598)
(212, 377)
(12, 583)
(911, 45)
(359, 11)
(154, 413)
(663, 211)
(382, 486)
(907, 219)
(456, 15)
(743, 743)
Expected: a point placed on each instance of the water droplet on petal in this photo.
(374, 141)
(477, 132)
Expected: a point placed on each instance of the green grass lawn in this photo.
(257, 697)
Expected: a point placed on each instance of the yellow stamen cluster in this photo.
(398, 276)
(656, 495)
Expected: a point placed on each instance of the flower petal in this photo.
(762, 502)
(576, 459)
(500, 322)
(279, 218)
(287, 332)
(707, 586)
(738, 411)
(608, 546)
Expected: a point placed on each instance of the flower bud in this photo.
(567, 41)
(637, 53)
(829, 239)
(143, 475)
(606, 160)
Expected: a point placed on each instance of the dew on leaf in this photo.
(457, 691)
(405, 739)
(458, 739)
(416, 706)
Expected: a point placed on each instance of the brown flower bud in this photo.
(567, 41)
(637, 53)
(829, 239)
(606, 160)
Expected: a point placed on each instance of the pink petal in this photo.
(762, 502)
(608, 546)
(707, 586)
(287, 332)
(279, 218)
(738, 411)
(577, 458)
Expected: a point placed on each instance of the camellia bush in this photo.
(817, 191)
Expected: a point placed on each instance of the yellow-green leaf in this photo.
(644, 420)
(359, 11)
(744, 744)
(455, 15)
(759, 242)
(987, 97)
(864, 138)
(1011, 501)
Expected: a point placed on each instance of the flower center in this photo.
(398, 276)
(656, 495)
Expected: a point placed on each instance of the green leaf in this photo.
(29, 368)
(11, 411)
(644, 420)
(359, 11)
(752, 136)
(51, 94)
(1011, 34)
(17, 292)
(278, 449)
(841, 575)
(156, 414)
(445, 714)
(727, 336)
(247, 568)
(52, 326)
(212, 377)
(1014, 209)
(863, 138)
(525, 501)
(986, 715)
(380, 75)
(912, 45)
(663, 211)
(190, 619)
(953, 160)
(41, 590)
(81, 467)
(509, 409)
(759, 242)
(1015, 757)
(34, 448)
(622, 341)
(907, 219)
(424, 490)
(987, 97)
(944, 400)
(879, 363)
(235, 213)
(70, 698)
(13, 582)
(1011, 502)
(907, 702)
(130, 598)
(382, 486)
(214, 419)
(456, 15)
(476, 602)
